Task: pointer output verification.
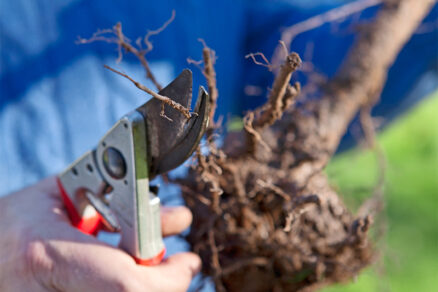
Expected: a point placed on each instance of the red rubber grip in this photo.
(152, 261)
(90, 225)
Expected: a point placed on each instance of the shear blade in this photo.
(171, 142)
(189, 141)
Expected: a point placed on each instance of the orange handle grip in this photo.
(90, 225)
(152, 261)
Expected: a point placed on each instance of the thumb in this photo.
(178, 271)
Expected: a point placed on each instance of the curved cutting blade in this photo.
(170, 143)
(191, 138)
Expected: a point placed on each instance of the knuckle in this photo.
(37, 262)
(34, 252)
(126, 285)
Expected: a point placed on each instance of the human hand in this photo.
(41, 251)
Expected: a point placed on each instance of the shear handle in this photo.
(89, 225)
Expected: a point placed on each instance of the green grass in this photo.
(410, 244)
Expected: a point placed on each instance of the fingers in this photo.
(73, 261)
(61, 258)
(90, 266)
(174, 220)
(87, 266)
(103, 268)
(176, 273)
(187, 263)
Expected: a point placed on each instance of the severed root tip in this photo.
(293, 61)
(281, 97)
(282, 93)
(361, 226)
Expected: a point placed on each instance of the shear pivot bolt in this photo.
(114, 163)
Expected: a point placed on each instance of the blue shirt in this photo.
(57, 100)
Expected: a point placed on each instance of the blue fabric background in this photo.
(56, 100)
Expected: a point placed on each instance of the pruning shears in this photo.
(108, 187)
